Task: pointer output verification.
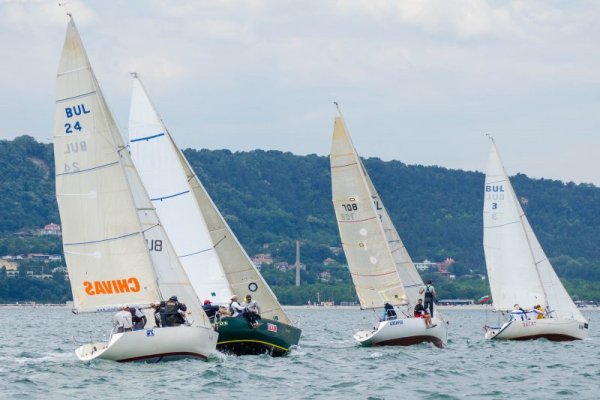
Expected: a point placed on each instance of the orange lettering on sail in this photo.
(134, 284)
(98, 287)
(115, 286)
(107, 285)
(121, 286)
(87, 286)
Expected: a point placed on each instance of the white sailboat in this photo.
(381, 268)
(519, 271)
(115, 247)
(211, 255)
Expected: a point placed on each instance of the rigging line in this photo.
(498, 181)
(360, 220)
(88, 169)
(103, 240)
(79, 95)
(413, 285)
(343, 165)
(152, 227)
(500, 226)
(197, 252)
(387, 273)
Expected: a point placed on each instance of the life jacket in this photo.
(171, 307)
(428, 292)
(172, 315)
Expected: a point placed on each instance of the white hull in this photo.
(155, 344)
(555, 329)
(405, 332)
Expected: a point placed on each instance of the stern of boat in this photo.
(272, 337)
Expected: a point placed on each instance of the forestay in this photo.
(360, 215)
(212, 256)
(107, 220)
(519, 271)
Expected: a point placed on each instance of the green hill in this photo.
(272, 198)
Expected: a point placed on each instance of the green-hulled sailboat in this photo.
(211, 255)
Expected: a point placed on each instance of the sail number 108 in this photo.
(350, 207)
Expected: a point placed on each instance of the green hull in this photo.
(237, 337)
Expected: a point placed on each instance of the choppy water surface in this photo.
(37, 362)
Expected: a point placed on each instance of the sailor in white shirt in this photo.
(122, 319)
(236, 309)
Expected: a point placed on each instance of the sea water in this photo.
(37, 361)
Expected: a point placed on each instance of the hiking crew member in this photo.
(389, 312)
(122, 320)
(158, 310)
(251, 312)
(430, 296)
(138, 318)
(235, 308)
(210, 309)
(421, 312)
(174, 312)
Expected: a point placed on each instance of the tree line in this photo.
(273, 198)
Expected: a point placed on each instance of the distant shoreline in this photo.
(467, 307)
(33, 305)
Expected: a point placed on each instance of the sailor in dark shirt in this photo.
(210, 309)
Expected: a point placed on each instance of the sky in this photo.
(420, 81)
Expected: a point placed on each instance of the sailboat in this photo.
(210, 253)
(381, 268)
(520, 274)
(116, 250)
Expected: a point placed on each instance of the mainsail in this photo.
(380, 266)
(210, 253)
(519, 271)
(115, 248)
(409, 276)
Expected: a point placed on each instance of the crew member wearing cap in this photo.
(210, 309)
(122, 320)
(174, 312)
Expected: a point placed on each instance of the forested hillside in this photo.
(275, 197)
(271, 199)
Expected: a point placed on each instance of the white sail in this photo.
(211, 255)
(367, 234)
(519, 271)
(409, 276)
(107, 220)
(157, 161)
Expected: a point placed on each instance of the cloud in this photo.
(462, 18)
(263, 74)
